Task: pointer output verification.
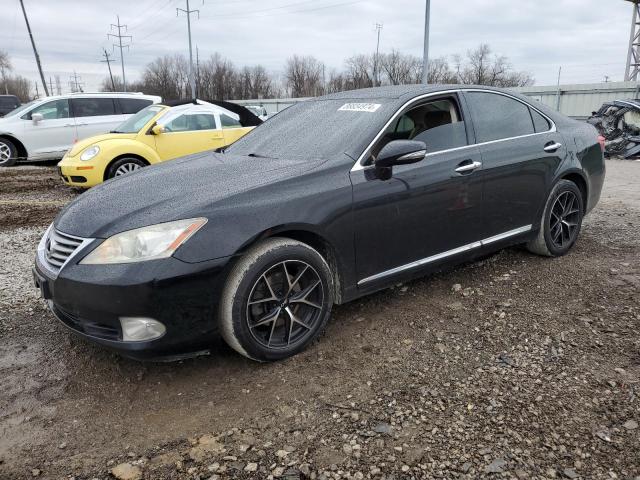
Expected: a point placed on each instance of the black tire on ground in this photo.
(276, 301)
(8, 153)
(561, 221)
(125, 165)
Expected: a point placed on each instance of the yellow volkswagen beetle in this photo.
(155, 134)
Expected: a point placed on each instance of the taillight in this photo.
(601, 141)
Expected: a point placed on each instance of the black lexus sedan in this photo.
(329, 200)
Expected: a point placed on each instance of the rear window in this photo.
(92, 107)
(132, 105)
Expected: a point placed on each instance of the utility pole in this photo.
(425, 58)
(108, 61)
(58, 85)
(376, 62)
(35, 50)
(120, 36)
(558, 92)
(192, 79)
(197, 71)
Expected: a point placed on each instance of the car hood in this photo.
(87, 142)
(193, 186)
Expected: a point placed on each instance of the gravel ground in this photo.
(515, 366)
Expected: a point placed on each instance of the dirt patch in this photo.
(516, 365)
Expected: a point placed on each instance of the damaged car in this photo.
(330, 200)
(618, 123)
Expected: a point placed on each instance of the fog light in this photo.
(138, 329)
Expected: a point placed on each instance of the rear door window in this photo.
(129, 106)
(496, 117)
(92, 107)
(229, 122)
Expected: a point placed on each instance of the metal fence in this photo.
(576, 101)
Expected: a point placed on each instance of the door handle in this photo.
(468, 167)
(552, 147)
(70, 125)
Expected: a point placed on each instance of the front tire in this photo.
(8, 153)
(124, 166)
(561, 221)
(276, 301)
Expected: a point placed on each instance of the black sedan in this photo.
(330, 200)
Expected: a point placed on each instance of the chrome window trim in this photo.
(448, 253)
(359, 166)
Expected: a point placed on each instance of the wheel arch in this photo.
(308, 235)
(581, 182)
(124, 155)
(22, 150)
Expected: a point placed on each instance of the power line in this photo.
(241, 15)
(119, 36)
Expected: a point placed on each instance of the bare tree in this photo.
(304, 76)
(359, 71)
(440, 72)
(483, 68)
(5, 66)
(401, 69)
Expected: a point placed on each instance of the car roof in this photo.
(402, 91)
(155, 98)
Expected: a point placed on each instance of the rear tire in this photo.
(124, 166)
(561, 221)
(276, 301)
(8, 153)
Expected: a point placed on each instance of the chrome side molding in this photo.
(448, 253)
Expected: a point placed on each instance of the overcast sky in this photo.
(588, 38)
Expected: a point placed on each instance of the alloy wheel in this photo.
(5, 153)
(127, 168)
(564, 219)
(285, 304)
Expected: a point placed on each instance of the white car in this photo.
(46, 128)
(259, 111)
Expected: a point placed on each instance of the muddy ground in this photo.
(515, 366)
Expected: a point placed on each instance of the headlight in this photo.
(142, 244)
(90, 152)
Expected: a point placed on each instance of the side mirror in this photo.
(398, 152)
(36, 118)
(158, 129)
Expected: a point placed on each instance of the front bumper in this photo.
(90, 299)
(77, 173)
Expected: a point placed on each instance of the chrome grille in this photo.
(59, 247)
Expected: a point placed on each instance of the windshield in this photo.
(139, 120)
(320, 129)
(22, 108)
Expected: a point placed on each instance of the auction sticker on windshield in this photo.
(360, 107)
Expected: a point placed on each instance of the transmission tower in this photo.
(75, 83)
(120, 36)
(633, 55)
(192, 79)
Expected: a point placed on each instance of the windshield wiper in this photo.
(257, 155)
